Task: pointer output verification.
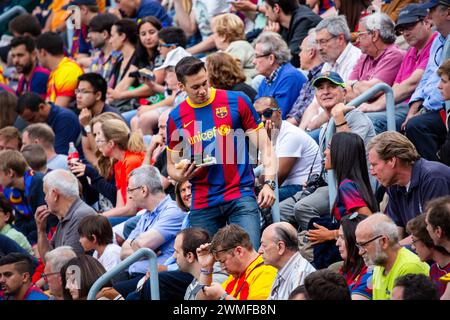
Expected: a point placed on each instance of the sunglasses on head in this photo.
(268, 112)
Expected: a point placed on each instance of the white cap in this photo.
(173, 57)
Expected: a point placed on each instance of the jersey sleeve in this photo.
(249, 117)
(350, 196)
(66, 81)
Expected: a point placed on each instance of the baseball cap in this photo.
(330, 76)
(411, 13)
(173, 57)
(434, 3)
(80, 2)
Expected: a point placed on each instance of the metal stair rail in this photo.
(447, 56)
(10, 13)
(138, 255)
(390, 114)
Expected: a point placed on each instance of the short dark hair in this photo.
(27, 41)
(42, 132)
(6, 207)
(35, 156)
(96, 81)
(188, 66)
(129, 28)
(103, 22)
(173, 35)
(192, 239)
(50, 42)
(287, 6)
(25, 23)
(299, 290)
(417, 287)
(438, 214)
(97, 225)
(229, 237)
(29, 100)
(22, 262)
(418, 228)
(326, 284)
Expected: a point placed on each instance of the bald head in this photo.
(378, 224)
(283, 231)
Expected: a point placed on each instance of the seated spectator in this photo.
(78, 275)
(425, 124)
(55, 260)
(377, 240)
(139, 9)
(96, 234)
(10, 139)
(35, 157)
(42, 134)
(91, 101)
(231, 246)
(298, 293)
(414, 287)
(224, 72)
(381, 58)
(33, 77)
(99, 35)
(334, 44)
(282, 81)
(444, 74)
(310, 63)
(16, 270)
(297, 153)
(293, 22)
(427, 251)
(6, 225)
(23, 190)
(396, 165)
(279, 248)
(114, 140)
(414, 25)
(8, 114)
(63, 200)
(229, 36)
(393, 8)
(355, 271)
(25, 25)
(156, 228)
(64, 74)
(326, 284)
(353, 11)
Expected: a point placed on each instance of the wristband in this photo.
(206, 272)
(223, 296)
(340, 125)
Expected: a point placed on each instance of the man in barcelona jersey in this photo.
(207, 136)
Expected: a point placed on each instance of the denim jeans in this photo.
(117, 220)
(314, 134)
(128, 115)
(242, 211)
(379, 119)
(288, 191)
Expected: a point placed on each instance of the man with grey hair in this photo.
(157, 227)
(381, 58)
(55, 260)
(63, 200)
(282, 81)
(279, 248)
(377, 240)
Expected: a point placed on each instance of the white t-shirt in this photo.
(293, 142)
(204, 11)
(110, 257)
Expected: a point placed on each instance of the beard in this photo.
(26, 69)
(381, 257)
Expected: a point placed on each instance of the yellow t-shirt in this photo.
(406, 263)
(63, 80)
(254, 284)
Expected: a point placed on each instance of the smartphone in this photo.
(146, 73)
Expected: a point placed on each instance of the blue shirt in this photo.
(167, 219)
(427, 90)
(285, 87)
(154, 8)
(66, 127)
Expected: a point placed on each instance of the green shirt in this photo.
(406, 263)
(18, 237)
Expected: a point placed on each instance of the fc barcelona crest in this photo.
(221, 112)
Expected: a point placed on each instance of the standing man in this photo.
(215, 123)
(143, 8)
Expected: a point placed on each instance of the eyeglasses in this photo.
(257, 56)
(323, 42)
(268, 112)
(361, 246)
(167, 45)
(99, 141)
(46, 275)
(215, 252)
(407, 27)
(414, 241)
(129, 190)
(77, 91)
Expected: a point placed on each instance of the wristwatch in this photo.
(223, 296)
(87, 129)
(270, 183)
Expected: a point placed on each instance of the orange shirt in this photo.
(122, 169)
(63, 80)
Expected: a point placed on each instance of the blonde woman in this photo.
(229, 36)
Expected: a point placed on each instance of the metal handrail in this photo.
(390, 114)
(138, 255)
(446, 56)
(11, 13)
(276, 205)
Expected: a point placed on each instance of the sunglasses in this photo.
(268, 112)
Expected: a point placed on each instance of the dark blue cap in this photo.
(433, 3)
(411, 13)
(330, 76)
(80, 2)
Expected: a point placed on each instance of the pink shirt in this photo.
(383, 68)
(414, 60)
